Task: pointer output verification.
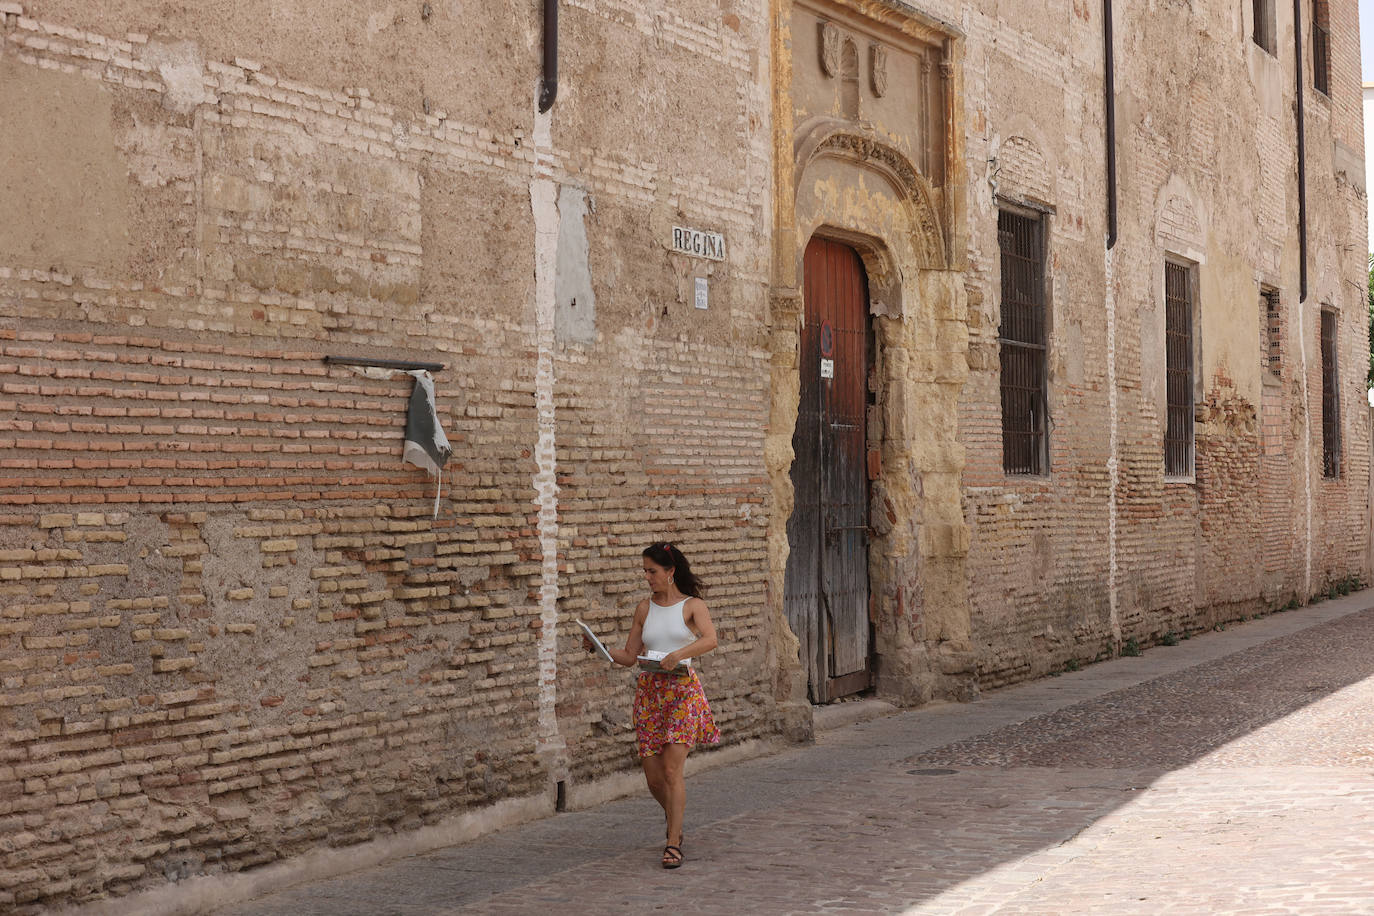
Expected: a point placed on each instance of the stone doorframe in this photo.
(841, 180)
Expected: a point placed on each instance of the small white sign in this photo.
(827, 368)
(701, 244)
(701, 300)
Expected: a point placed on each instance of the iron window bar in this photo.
(1331, 405)
(1271, 331)
(1178, 337)
(1321, 47)
(1023, 341)
(1265, 32)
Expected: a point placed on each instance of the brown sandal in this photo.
(672, 856)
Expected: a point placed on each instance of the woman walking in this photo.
(671, 713)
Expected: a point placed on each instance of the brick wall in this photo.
(1203, 120)
(232, 631)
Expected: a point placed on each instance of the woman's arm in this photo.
(698, 619)
(634, 643)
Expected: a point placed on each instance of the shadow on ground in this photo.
(862, 823)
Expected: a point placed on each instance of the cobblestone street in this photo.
(1233, 773)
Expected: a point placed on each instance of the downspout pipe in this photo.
(1302, 153)
(1109, 65)
(1109, 301)
(548, 85)
(1302, 283)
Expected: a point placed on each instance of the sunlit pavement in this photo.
(1233, 773)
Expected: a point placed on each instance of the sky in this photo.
(1367, 39)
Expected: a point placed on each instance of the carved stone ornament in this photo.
(830, 48)
(930, 238)
(878, 70)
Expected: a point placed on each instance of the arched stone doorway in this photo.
(893, 201)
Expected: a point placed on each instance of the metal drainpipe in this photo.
(1110, 66)
(1302, 287)
(1302, 154)
(1109, 300)
(548, 87)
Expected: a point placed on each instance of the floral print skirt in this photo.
(672, 709)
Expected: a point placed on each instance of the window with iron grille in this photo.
(1178, 374)
(1271, 331)
(1024, 342)
(1321, 47)
(1265, 34)
(1331, 398)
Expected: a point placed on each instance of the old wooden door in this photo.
(826, 588)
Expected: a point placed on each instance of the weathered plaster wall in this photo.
(662, 405)
(1103, 549)
(231, 631)
(1207, 165)
(74, 207)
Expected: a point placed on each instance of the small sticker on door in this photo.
(827, 368)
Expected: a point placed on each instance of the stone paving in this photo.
(1233, 773)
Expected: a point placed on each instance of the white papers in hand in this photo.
(649, 661)
(596, 643)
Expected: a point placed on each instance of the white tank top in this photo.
(664, 629)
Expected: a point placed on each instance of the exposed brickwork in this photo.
(231, 631)
(693, 484)
(230, 601)
(1196, 133)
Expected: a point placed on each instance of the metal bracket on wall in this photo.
(402, 364)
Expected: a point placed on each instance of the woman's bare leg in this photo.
(653, 775)
(674, 758)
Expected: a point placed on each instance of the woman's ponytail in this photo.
(669, 557)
